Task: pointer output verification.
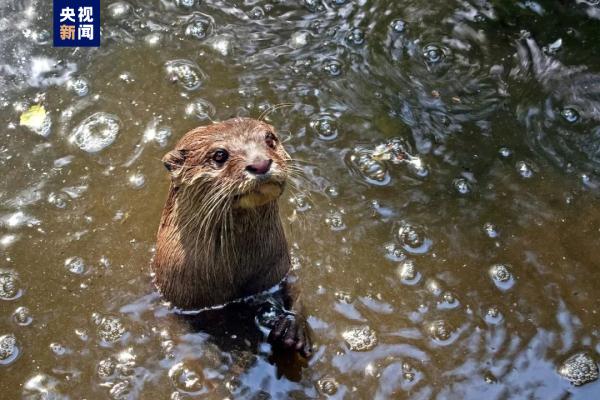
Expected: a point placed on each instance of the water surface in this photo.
(464, 266)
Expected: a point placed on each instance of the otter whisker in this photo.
(273, 108)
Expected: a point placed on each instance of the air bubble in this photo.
(110, 329)
(333, 67)
(186, 379)
(570, 115)
(137, 180)
(524, 169)
(79, 86)
(199, 28)
(356, 37)
(185, 3)
(493, 316)
(119, 9)
(398, 25)
(490, 230)
(75, 265)
(185, 73)
(360, 338)
(441, 332)
(200, 109)
(433, 54)
(502, 277)
(9, 285)
(335, 221)
(325, 127)
(413, 239)
(579, 369)
(328, 386)
(505, 152)
(408, 274)
(96, 132)
(9, 350)
(462, 186)
(257, 13)
(22, 316)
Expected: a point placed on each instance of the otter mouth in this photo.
(260, 195)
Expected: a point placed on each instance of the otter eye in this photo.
(271, 140)
(220, 156)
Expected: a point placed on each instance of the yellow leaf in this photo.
(34, 118)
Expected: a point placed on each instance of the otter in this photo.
(220, 237)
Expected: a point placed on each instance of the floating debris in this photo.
(37, 119)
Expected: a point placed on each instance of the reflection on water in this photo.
(445, 233)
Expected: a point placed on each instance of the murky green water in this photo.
(469, 272)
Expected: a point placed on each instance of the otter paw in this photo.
(290, 332)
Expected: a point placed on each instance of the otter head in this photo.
(239, 162)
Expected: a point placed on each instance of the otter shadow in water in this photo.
(241, 326)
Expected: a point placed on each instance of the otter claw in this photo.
(289, 333)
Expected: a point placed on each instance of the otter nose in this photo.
(259, 167)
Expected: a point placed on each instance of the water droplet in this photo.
(502, 277)
(9, 350)
(413, 239)
(119, 9)
(186, 379)
(433, 54)
(441, 332)
(579, 369)
(75, 265)
(524, 169)
(325, 127)
(333, 67)
(96, 132)
(137, 180)
(408, 273)
(200, 109)
(110, 329)
(462, 186)
(22, 316)
(398, 25)
(185, 73)
(257, 13)
(79, 86)
(356, 37)
(9, 285)
(360, 338)
(328, 386)
(570, 115)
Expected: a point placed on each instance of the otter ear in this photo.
(173, 160)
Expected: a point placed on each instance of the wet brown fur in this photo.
(220, 236)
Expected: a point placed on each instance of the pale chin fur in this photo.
(260, 196)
